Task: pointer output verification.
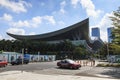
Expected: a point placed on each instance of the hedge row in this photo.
(108, 65)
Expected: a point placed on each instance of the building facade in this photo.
(77, 33)
(96, 32)
(109, 34)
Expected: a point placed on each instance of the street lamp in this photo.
(38, 56)
(108, 50)
(108, 55)
(22, 57)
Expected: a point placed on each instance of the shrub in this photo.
(100, 65)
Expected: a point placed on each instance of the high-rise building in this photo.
(109, 33)
(96, 32)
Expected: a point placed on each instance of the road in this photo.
(50, 68)
(44, 68)
(36, 66)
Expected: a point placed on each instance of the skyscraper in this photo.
(109, 32)
(96, 32)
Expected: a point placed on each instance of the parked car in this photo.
(3, 63)
(19, 61)
(68, 63)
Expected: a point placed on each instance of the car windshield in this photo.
(1, 60)
(70, 61)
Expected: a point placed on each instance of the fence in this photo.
(37, 58)
(86, 62)
(11, 56)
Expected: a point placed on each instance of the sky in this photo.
(31, 17)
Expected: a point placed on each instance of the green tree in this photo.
(103, 51)
(65, 49)
(116, 23)
(114, 48)
(79, 52)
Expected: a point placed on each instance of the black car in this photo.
(19, 61)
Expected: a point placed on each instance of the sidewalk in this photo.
(18, 75)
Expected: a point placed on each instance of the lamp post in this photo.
(108, 55)
(26, 51)
(38, 56)
(22, 58)
(108, 50)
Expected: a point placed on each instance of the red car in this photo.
(68, 63)
(3, 63)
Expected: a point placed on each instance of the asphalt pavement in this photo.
(50, 68)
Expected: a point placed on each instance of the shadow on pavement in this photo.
(113, 72)
(66, 68)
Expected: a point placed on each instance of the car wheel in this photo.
(12, 64)
(71, 67)
(5, 65)
(77, 68)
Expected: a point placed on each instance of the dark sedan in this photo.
(68, 63)
(19, 61)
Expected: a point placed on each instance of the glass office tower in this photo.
(96, 32)
(109, 31)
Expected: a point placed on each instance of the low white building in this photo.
(113, 58)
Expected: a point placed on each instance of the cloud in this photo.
(6, 17)
(34, 22)
(74, 3)
(1, 37)
(16, 31)
(103, 25)
(105, 22)
(50, 19)
(20, 24)
(16, 7)
(88, 6)
(62, 10)
(62, 5)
